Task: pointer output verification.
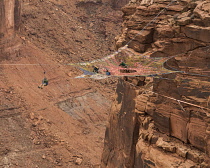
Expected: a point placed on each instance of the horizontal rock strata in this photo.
(170, 118)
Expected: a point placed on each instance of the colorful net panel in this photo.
(124, 63)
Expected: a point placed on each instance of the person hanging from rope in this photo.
(44, 83)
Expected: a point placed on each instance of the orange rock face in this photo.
(168, 125)
(10, 21)
(63, 135)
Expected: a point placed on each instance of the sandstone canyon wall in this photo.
(54, 126)
(163, 122)
(117, 4)
(9, 24)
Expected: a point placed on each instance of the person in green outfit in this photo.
(122, 64)
(44, 83)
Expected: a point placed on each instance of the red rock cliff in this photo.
(163, 122)
(9, 23)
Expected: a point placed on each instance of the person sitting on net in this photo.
(122, 64)
(95, 69)
(44, 83)
(107, 72)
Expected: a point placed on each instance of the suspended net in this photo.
(124, 63)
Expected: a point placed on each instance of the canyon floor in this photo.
(63, 124)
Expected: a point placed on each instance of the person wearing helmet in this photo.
(95, 69)
(44, 83)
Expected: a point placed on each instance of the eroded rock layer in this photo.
(163, 121)
(9, 23)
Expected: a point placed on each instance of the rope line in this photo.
(146, 92)
(179, 101)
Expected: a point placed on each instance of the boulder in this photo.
(181, 152)
(146, 156)
(203, 12)
(128, 10)
(184, 15)
(165, 145)
(197, 32)
(78, 161)
(164, 31)
(184, 21)
(176, 7)
(141, 36)
(148, 11)
(195, 156)
(138, 47)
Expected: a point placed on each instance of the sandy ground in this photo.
(63, 124)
